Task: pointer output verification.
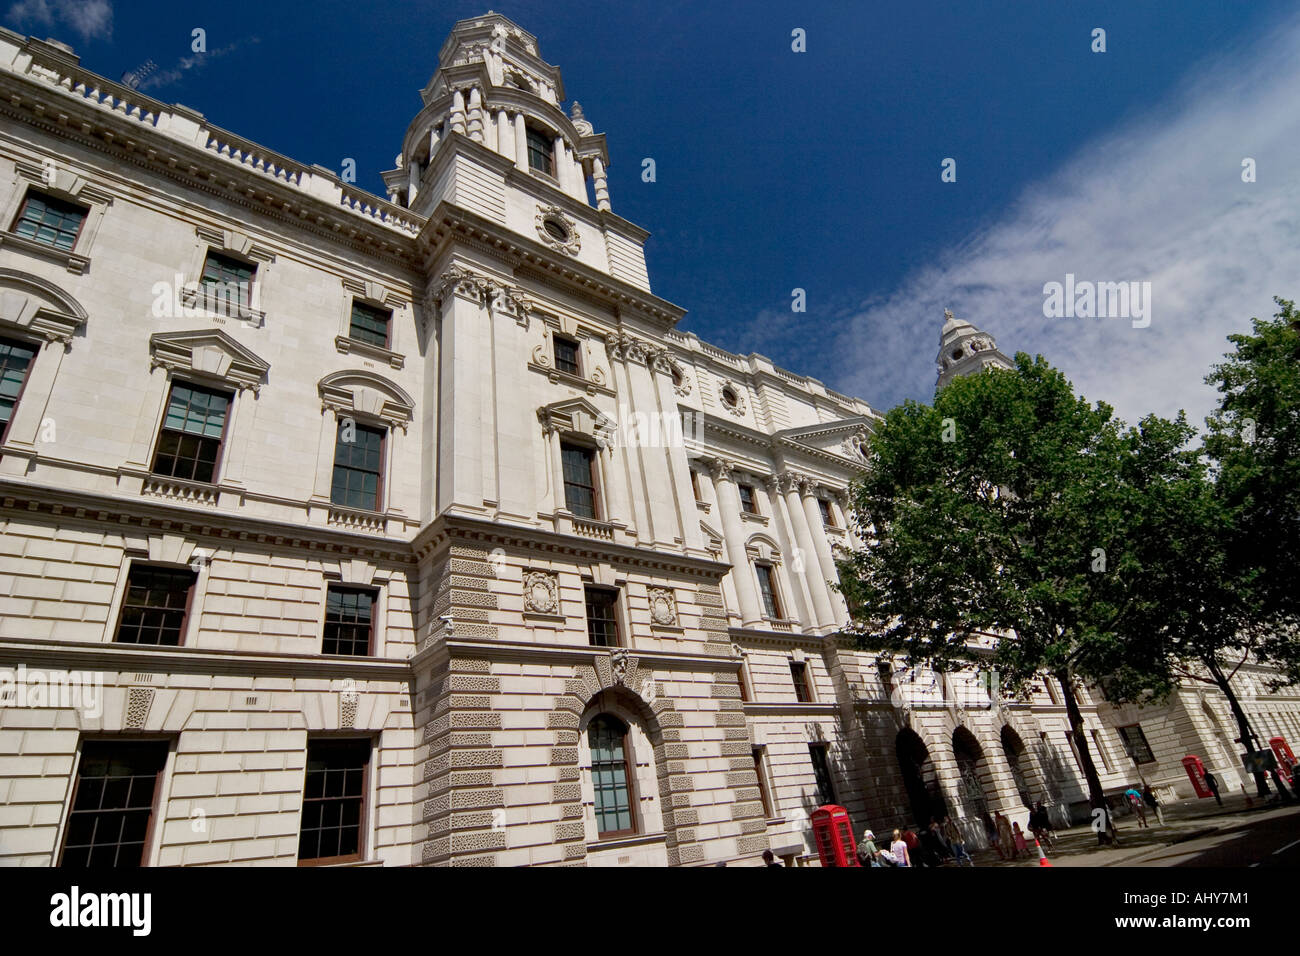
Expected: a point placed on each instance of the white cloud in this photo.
(1159, 199)
(91, 19)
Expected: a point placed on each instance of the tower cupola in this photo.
(964, 349)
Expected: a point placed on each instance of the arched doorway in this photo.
(967, 751)
(1014, 748)
(920, 777)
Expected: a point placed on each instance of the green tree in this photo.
(996, 526)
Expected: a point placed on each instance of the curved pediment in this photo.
(367, 394)
(38, 306)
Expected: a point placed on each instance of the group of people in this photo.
(1145, 799)
(1008, 840)
(939, 843)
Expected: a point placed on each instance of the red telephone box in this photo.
(1285, 758)
(833, 834)
(1196, 770)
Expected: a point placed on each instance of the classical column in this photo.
(816, 526)
(560, 165)
(457, 117)
(742, 574)
(785, 536)
(601, 183)
(475, 115)
(807, 560)
(505, 135)
(521, 143)
(556, 456)
(577, 181)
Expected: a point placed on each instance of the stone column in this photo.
(810, 564)
(456, 119)
(505, 135)
(521, 143)
(751, 612)
(475, 115)
(560, 164)
(554, 453)
(785, 535)
(601, 184)
(808, 490)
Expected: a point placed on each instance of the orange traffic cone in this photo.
(1042, 857)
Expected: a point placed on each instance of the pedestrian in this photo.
(934, 845)
(769, 859)
(957, 841)
(1040, 825)
(868, 852)
(1149, 796)
(916, 855)
(1213, 784)
(898, 849)
(1021, 845)
(1134, 798)
(1006, 839)
(991, 834)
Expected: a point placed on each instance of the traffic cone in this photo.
(1042, 857)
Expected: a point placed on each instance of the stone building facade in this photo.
(337, 529)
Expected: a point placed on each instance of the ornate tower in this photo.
(964, 349)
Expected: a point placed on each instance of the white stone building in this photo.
(336, 529)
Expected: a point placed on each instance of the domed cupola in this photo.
(964, 349)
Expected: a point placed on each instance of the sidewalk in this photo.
(1185, 820)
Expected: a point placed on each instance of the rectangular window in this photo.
(190, 441)
(566, 355)
(333, 801)
(1135, 744)
(695, 485)
(767, 587)
(370, 324)
(828, 516)
(611, 776)
(742, 679)
(358, 466)
(747, 499)
(156, 604)
(540, 157)
(51, 221)
(760, 770)
(349, 621)
(580, 495)
(113, 803)
(228, 280)
(1101, 750)
(799, 675)
(602, 617)
(822, 771)
(15, 362)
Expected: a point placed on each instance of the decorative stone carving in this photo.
(736, 407)
(580, 123)
(570, 242)
(720, 469)
(541, 592)
(619, 661)
(138, 702)
(663, 607)
(737, 650)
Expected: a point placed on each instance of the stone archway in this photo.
(970, 770)
(1018, 760)
(920, 777)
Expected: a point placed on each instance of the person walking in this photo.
(1006, 839)
(957, 841)
(991, 834)
(1149, 797)
(868, 852)
(1134, 798)
(1021, 845)
(769, 859)
(1213, 784)
(899, 850)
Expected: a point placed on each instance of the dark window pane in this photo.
(602, 617)
(358, 464)
(111, 813)
(579, 480)
(349, 621)
(370, 324)
(799, 675)
(747, 499)
(192, 428)
(333, 799)
(828, 516)
(822, 771)
(566, 355)
(153, 611)
(540, 152)
(49, 220)
(15, 361)
(768, 590)
(228, 280)
(607, 739)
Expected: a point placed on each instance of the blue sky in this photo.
(821, 170)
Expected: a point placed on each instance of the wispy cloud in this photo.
(1159, 199)
(187, 63)
(90, 19)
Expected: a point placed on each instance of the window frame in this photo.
(771, 599)
(765, 794)
(230, 257)
(366, 308)
(49, 197)
(745, 490)
(597, 499)
(151, 830)
(27, 376)
(123, 605)
(363, 818)
(629, 777)
(380, 482)
(799, 678)
(828, 513)
(614, 594)
(220, 459)
(531, 131)
(372, 642)
(818, 769)
(1129, 749)
(556, 340)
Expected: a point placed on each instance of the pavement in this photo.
(1194, 833)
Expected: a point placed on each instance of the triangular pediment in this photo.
(841, 438)
(211, 353)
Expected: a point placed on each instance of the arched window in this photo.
(611, 777)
